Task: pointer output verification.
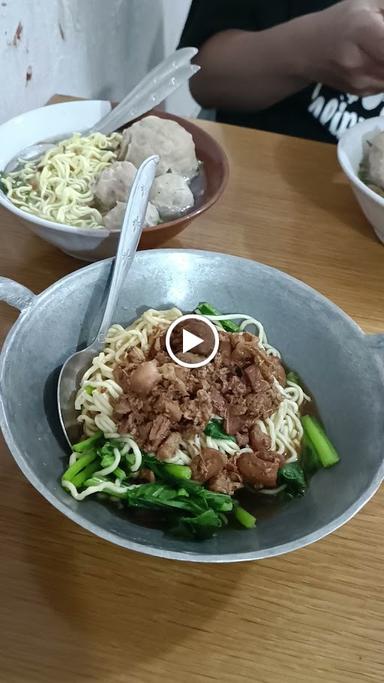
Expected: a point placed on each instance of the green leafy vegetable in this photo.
(110, 492)
(205, 509)
(151, 463)
(79, 465)
(244, 518)
(95, 481)
(292, 475)
(318, 439)
(206, 309)
(199, 527)
(215, 430)
(177, 471)
(189, 509)
(106, 454)
(309, 460)
(119, 473)
(130, 459)
(293, 377)
(220, 502)
(114, 443)
(160, 496)
(87, 444)
(166, 471)
(92, 460)
(89, 389)
(87, 472)
(107, 460)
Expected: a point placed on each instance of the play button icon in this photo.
(192, 341)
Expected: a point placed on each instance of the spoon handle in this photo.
(161, 71)
(129, 237)
(149, 99)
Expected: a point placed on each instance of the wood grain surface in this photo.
(74, 608)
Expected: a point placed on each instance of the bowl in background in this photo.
(91, 244)
(350, 151)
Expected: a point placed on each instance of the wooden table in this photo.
(74, 608)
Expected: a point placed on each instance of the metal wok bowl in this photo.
(342, 367)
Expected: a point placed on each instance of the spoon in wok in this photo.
(75, 366)
(155, 87)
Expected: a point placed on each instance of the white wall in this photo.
(89, 48)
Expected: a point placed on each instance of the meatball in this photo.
(114, 183)
(376, 161)
(171, 196)
(173, 144)
(113, 220)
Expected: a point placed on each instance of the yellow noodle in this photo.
(60, 186)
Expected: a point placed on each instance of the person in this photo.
(310, 68)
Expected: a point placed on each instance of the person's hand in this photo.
(343, 46)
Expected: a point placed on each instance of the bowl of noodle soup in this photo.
(280, 323)
(58, 198)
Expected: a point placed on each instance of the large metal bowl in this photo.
(342, 367)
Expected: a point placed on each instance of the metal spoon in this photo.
(74, 368)
(155, 87)
(169, 69)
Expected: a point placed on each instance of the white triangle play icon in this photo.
(190, 341)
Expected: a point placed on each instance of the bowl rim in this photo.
(104, 232)
(345, 163)
(107, 535)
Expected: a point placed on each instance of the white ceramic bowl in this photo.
(350, 151)
(95, 244)
(35, 126)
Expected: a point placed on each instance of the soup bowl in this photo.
(351, 149)
(342, 367)
(89, 244)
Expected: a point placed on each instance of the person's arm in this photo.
(342, 47)
(248, 70)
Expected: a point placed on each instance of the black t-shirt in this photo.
(317, 112)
